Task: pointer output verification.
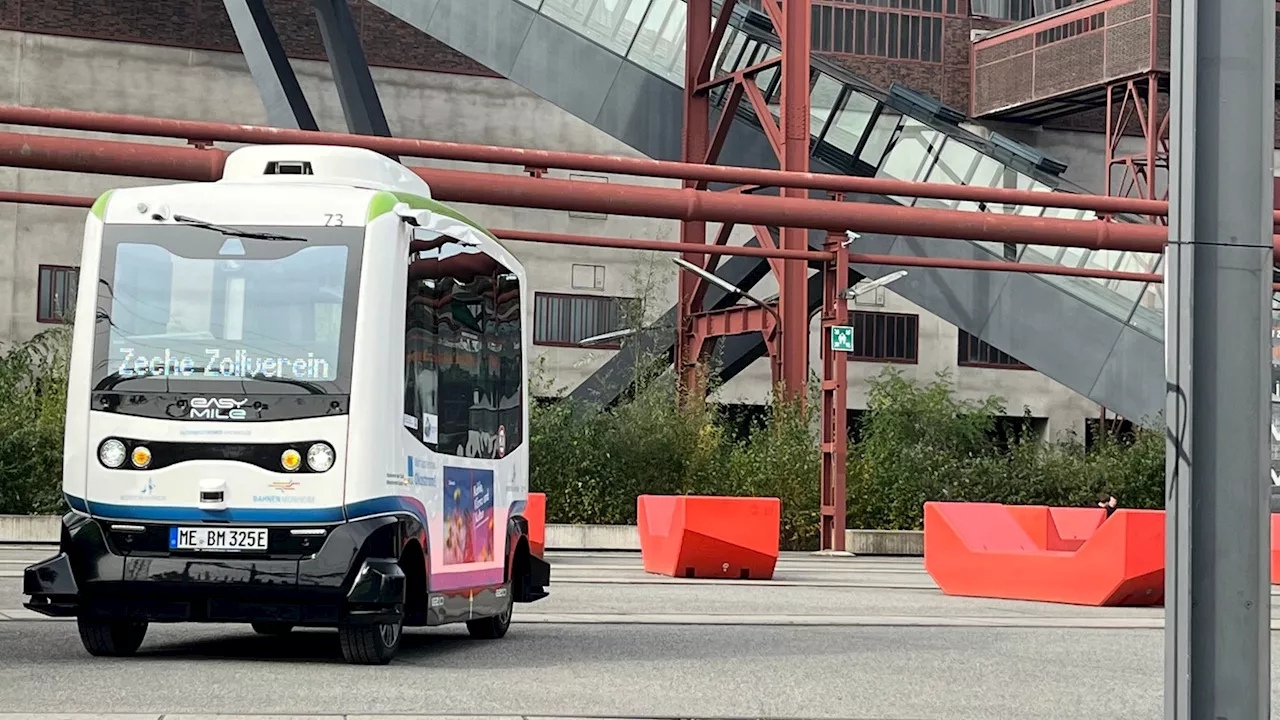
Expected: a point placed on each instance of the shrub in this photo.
(917, 443)
(921, 443)
(33, 395)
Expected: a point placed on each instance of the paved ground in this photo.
(832, 638)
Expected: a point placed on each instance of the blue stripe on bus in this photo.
(362, 508)
(160, 513)
(388, 504)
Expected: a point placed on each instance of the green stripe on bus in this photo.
(100, 205)
(384, 202)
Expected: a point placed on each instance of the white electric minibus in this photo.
(298, 397)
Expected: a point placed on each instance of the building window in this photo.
(912, 35)
(566, 320)
(885, 337)
(587, 277)
(973, 352)
(1071, 29)
(57, 293)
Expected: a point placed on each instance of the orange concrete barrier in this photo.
(1275, 545)
(535, 512)
(1065, 555)
(709, 537)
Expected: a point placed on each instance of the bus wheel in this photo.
(494, 627)
(111, 638)
(370, 643)
(272, 628)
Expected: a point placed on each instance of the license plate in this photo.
(217, 538)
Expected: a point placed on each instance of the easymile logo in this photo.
(203, 408)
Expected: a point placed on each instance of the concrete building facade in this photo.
(116, 58)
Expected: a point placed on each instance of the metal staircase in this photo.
(620, 65)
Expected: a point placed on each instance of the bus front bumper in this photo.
(91, 576)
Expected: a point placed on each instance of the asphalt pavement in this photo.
(861, 638)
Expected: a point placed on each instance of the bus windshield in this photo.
(190, 309)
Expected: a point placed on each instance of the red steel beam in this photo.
(196, 130)
(619, 199)
(26, 198)
(185, 163)
(661, 245)
(999, 266)
(696, 146)
(793, 154)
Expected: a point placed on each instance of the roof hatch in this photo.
(321, 164)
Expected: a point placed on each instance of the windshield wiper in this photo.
(186, 220)
(310, 387)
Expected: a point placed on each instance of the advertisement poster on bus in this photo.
(1275, 399)
(468, 515)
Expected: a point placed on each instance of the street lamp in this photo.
(855, 291)
(605, 337)
(726, 286)
(868, 286)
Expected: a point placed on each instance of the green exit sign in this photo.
(842, 338)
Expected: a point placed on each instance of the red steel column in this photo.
(697, 121)
(792, 301)
(835, 381)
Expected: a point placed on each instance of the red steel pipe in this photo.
(26, 198)
(612, 198)
(662, 245)
(1001, 266)
(185, 163)
(197, 130)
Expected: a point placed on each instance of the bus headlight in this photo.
(111, 453)
(320, 457)
(141, 457)
(290, 460)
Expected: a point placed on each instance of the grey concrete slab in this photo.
(1132, 376)
(549, 52)
(415, 12)
(963, 298)
(1053, 332)
(489, 31)
(644, 111)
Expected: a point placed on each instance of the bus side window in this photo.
(420, 348)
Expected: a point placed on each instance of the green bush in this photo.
(33, 396)
(916, 443)
(921, 443)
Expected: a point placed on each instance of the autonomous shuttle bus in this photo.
(298, 397)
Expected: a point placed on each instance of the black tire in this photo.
(272, 628)
(111, 638)
(370, 643)
(494, 627)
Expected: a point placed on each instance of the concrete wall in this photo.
(50, 71)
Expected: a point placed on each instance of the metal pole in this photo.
(835, 382)
(697, 120)
(793, 300)
(1217, 324)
